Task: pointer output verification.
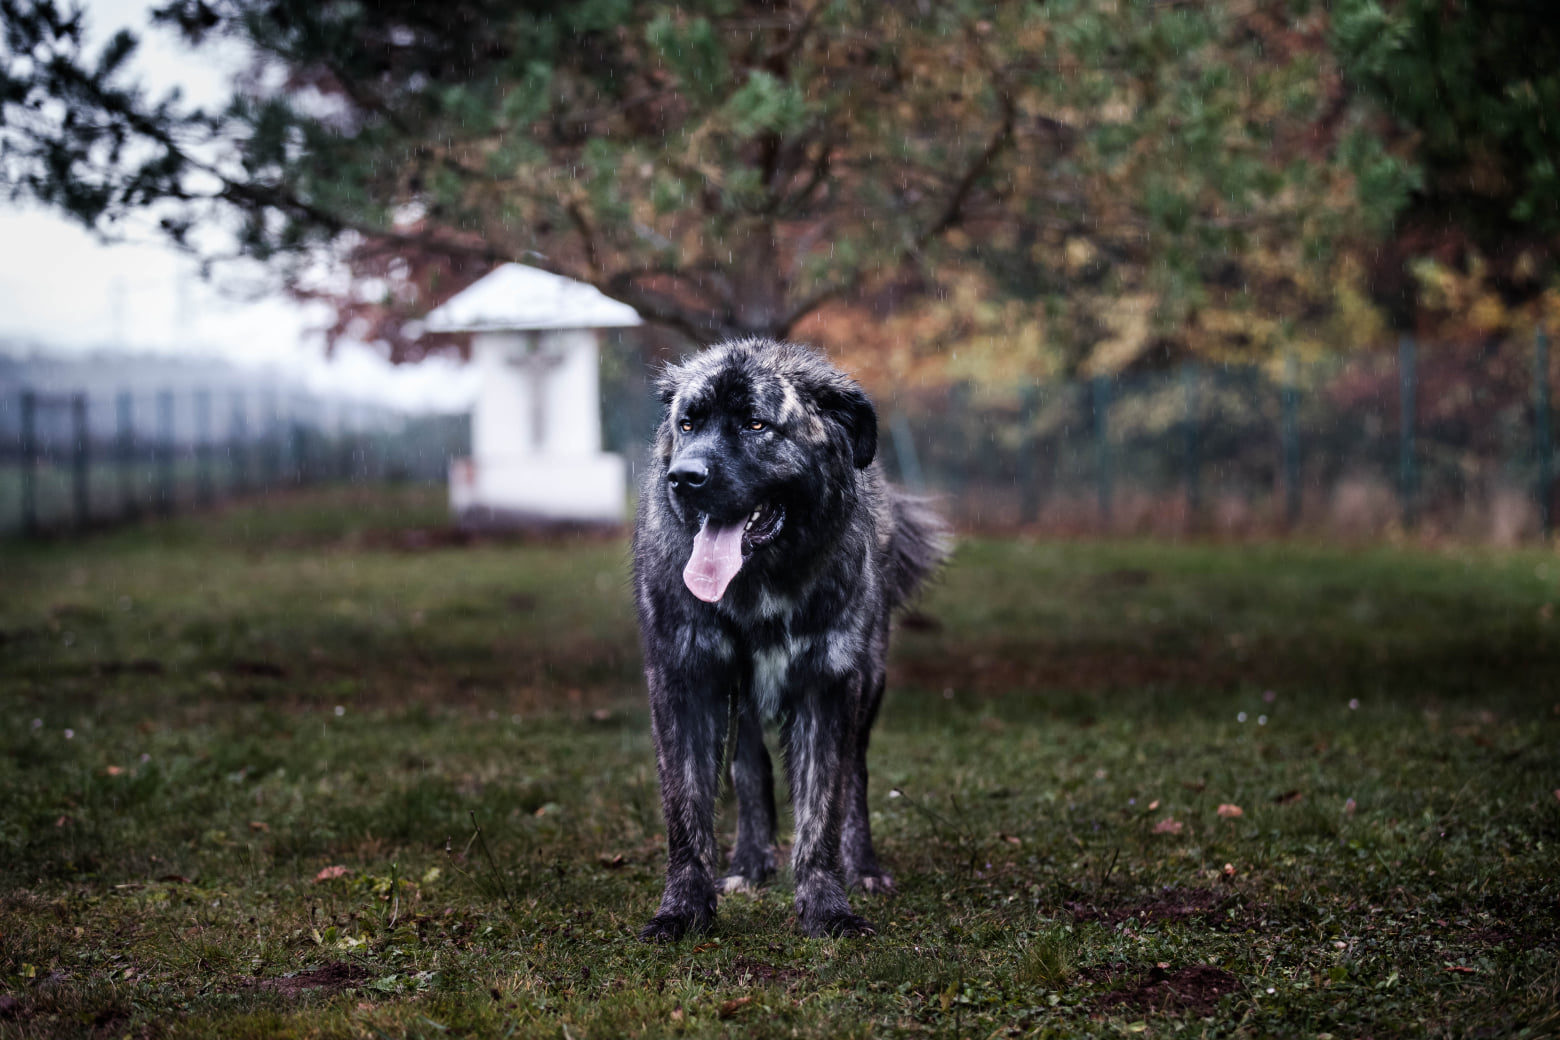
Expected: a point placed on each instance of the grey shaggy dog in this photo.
(769, 556)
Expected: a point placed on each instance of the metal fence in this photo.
(75, 461)
(1444, 440)
(1441, 439)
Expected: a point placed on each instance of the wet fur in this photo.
(800, 636)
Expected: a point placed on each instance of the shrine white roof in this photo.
(515, 297)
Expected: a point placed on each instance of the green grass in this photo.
(199, 716)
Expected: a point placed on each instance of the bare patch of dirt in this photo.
(748, 972)
(1000, 670)
(330, 978)
(1196, 990)
(1173, 905)
(539, 532)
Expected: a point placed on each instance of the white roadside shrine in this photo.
(536, 453)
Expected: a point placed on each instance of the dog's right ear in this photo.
(849, 406)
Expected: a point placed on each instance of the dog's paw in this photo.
(732, 883)
(876, 884)
(670, 927)
(844, 925)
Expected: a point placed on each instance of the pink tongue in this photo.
(716, 559)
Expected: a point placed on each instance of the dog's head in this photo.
(757, 435)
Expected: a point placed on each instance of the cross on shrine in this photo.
(536, 364)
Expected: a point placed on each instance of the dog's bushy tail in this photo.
(920, 543)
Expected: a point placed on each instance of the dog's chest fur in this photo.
(794, 636)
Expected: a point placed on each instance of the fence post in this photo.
(128, 505)
(904, 450)
(80, 460)
(297, 446)
(1100, 385)
(270, 425)
(1192, 442)
(203, 487)
(29, 450)
(1408, 477)
(238, 444)
(1027, 462)
(1289, 408)
(1541, 435)
(165, 476)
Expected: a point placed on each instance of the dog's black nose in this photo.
(686, 474)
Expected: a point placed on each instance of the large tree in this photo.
(730, 166)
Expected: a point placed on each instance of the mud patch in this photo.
(998, 670)
(1196, 990)
(331, 978)
(745, 972)
(1173, 906)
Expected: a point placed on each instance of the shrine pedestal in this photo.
(527, 492)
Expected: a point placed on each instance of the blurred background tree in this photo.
(934, 190)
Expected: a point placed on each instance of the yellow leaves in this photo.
(1129, 320)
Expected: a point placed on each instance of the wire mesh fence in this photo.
(76, 461)
(1455, 441)
(1444, 439)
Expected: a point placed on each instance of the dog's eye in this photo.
(755, 424)
(686, 426)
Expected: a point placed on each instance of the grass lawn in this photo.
(1126, 787)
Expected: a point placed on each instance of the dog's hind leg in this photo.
(818, 733)
(689, 724)
(860, 860)
(753, 780)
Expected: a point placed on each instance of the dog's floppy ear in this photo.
(849, 406)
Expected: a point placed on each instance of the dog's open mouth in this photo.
(720, 549)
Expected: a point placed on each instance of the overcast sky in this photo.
(61, 290)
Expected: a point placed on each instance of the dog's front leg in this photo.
(752, 777)
(817, 734)
(688, 720)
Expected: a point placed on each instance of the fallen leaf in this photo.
(1230, 811)
(62, 821)
(176, 879)
(677, 1014)
(612, 862)
(1153, 805)
(1168, 826)
(114, 770)
(1011, 840)
(1195, 786)
(731, 1007)
(331, 874)
(1290, 797)
(706, 946)
(1462, 970)
(257, 825)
